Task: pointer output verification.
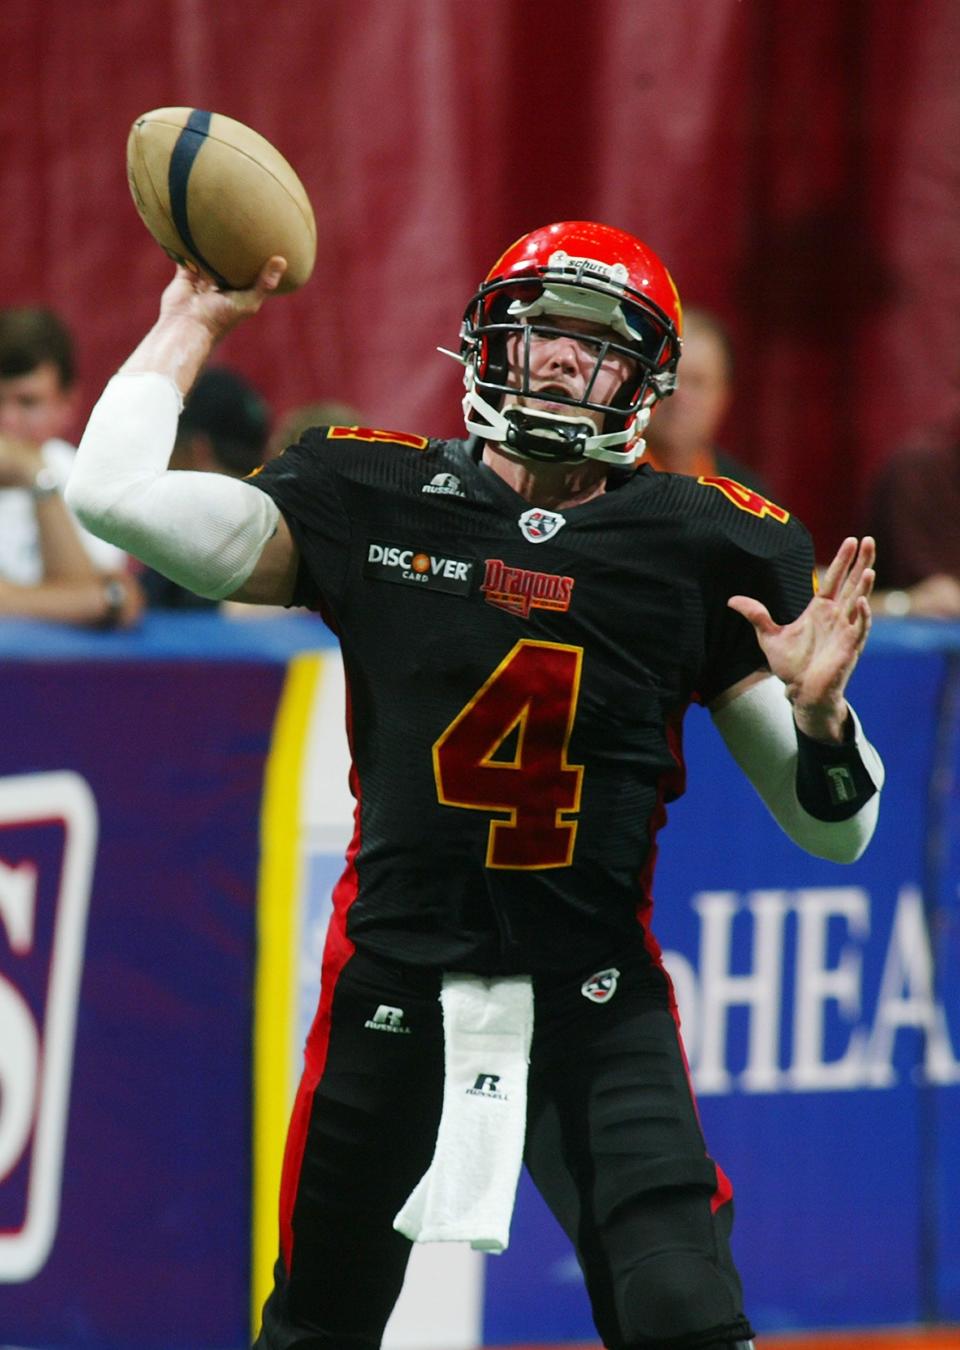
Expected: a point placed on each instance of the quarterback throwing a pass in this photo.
(524, 617)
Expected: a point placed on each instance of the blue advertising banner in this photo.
(821, 1004)
(940, 1108)
(129, 811)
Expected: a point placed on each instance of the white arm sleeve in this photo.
(759, 731)
(204, 530)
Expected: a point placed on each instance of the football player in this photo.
(524, 616)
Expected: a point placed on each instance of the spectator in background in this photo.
(916, 500)
(224, 428)
(682, 435)
(49, 567)
(914, 512)
(327, 413)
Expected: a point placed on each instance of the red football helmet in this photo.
(587, 271)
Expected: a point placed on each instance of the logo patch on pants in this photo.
(387, 1019)
(600, 988)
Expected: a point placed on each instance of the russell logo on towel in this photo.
(487, 1085)
(600, 988)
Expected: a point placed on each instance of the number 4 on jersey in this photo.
(744, 498)
(533, 692)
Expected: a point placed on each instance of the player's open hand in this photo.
(815, 655)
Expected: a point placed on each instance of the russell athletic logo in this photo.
(487, 1085)
(387, 1019)
(446, 484)
(417, 567)
(518, 590)
(600, 988)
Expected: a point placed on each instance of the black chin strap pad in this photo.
(543, 438)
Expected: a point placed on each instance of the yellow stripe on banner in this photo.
(278, 903)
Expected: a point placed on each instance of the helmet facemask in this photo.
(636, 330)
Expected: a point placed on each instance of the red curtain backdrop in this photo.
(795, 165)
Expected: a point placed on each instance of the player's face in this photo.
(35, 407)
(564, 364)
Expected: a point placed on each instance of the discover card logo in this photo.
(417, 567)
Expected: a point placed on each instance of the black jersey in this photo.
(517, 680)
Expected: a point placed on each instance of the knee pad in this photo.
(676, 1294)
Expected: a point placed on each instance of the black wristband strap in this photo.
(832, 780)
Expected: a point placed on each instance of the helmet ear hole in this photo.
(483, 346)
(622, 402)
(494, 362)
(493, 366)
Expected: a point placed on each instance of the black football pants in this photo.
(613, 1144)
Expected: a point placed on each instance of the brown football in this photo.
(217, 194)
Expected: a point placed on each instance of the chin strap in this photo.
(553, 436)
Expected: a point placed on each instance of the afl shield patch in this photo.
(537, 525)
(600, 988)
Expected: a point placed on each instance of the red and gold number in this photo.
(745, 498)
(533, 690)
(376, 434)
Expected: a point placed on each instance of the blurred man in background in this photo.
(682, 435)
(49, 568)
(296, 421)
(915, 502)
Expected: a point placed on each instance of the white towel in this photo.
(468, 1191)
